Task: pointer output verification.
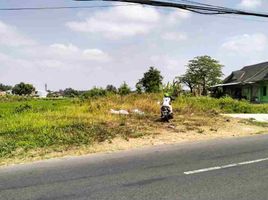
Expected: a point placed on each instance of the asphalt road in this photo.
(220, 169)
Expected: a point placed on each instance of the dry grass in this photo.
(182, 129)
(38, 129)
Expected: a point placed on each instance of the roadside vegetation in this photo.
(32, 128)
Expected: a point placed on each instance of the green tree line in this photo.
(201, 73)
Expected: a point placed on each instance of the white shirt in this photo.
(166, 101)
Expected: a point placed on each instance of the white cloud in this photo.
(55, 55)
(49, 63)
(62, 48)
(174, 36)
(111, 30)
(3, 57)
(118, 22)
(170, 63)
(71, 52)
(246, 43)
(9, 36)
(250, 4)
(66, 53)
(177, 16)
(60, 65)
(95, 54)
(123, 22)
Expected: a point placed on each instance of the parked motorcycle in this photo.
(166, 114)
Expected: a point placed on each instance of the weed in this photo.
(200, 131)
(22, 108)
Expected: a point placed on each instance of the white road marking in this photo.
(225, 166)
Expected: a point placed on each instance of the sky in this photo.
(83, 48)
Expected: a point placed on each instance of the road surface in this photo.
(219, 169)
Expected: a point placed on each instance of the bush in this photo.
(22, 108)
(69, 92)
(95, 92)
(111, 89)
(124, 89)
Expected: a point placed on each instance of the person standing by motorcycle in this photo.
(166, 103)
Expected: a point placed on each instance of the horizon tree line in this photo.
(202, 72)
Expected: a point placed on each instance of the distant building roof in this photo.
(249, 74)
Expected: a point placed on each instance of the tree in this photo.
(5, 87)
(94, 93)
(174, 88)
(139, 88)
(70, 92)
(202, 72)
(23, 89)
(188, 79)
(151, 81)
(124, 89)
(111, 89)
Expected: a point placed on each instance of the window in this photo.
(264, 92)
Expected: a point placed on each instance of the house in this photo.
(41, 93)
(2, 93)
(58, 94)
(251, 83)
(9, 92)
(5, 93)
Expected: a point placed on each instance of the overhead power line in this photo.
(190, 5)
(195, 7)
(228, 17)
(196, 3)
(62, 7)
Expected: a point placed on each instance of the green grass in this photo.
(54, 125)
(223, 105)
(33, 124)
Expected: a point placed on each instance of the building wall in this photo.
(254, 92)
(247, 92)
(263, 88)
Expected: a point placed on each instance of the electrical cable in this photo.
(205, 9)
(63, 7)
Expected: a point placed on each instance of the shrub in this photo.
(124, 89)
(111, 89)
(69, 92)
(95, 92)
(22, 108)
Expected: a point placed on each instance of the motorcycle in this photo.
(166, 114)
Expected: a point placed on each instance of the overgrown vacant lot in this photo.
(34, 129)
